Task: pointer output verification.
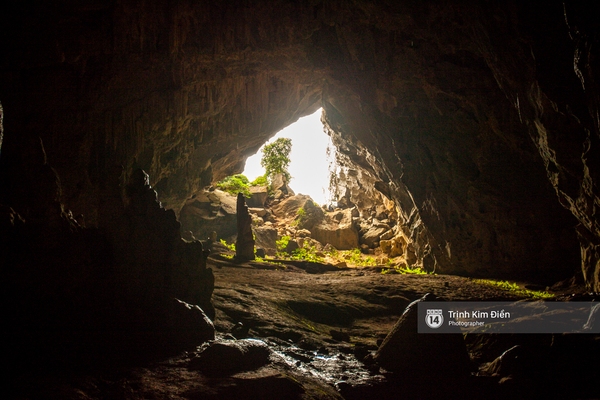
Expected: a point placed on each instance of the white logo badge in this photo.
(434, 318)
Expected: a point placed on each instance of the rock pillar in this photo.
(244, 244)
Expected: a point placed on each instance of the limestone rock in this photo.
(342, 234)
(394, 247)
(266, 238)
(373, 235)
(279, 184)
(289, 206)
(210, 211)
(259, 195)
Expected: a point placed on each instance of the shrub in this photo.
(282, 243)
(260, 181)
(235, 184)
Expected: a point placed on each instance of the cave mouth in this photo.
(312, 157)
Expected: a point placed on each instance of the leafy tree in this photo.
(276, 158)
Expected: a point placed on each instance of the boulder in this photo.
(189, 325)
(265, 237)
(373, 235)
(429, 357)
(209, 211)
(280, 184)
(342, 234)
(259, 195)
(289, 207)
(311, 216)
(291, 246)
(223, 357)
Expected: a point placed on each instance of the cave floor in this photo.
(319, 325)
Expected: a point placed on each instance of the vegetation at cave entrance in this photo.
(405, 269)
(515, 289)
(276, 158)
(239, 183)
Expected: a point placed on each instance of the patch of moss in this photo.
(404, 269)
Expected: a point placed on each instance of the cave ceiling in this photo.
(470, 116)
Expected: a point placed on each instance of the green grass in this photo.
(355, 257)
(515, 289)
(404, 269)
(282, 243)
(230, 246)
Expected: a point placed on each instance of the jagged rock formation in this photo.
(468, 121)
(87, 294)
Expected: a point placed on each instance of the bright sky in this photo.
(309, 162)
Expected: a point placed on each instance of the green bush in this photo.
(235, 184)
(282, 243)
(260, 181)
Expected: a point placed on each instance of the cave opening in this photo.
(312, 157)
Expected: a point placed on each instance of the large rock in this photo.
(189, 325)
(259, 195)
(373, 235)
(341, 233)
(423, 357)
(266, 238)
(207, 212)
(289, 206)
(394, 247)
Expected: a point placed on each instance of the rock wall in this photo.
(470, 118)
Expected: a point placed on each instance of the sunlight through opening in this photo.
(309, 164)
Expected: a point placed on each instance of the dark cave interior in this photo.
(477, 122)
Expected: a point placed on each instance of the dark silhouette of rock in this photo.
(244, 244)
(189, 325)
(423, 357)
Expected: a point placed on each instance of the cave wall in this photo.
(470, 117)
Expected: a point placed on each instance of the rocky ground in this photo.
(285, 333)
